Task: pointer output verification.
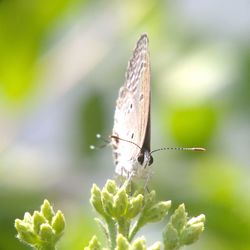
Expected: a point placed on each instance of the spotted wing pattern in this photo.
(132, 113)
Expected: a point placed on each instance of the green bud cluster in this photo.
(41, 230)
(181, 230)
(119, 208)
(124, 213)
(115, 202)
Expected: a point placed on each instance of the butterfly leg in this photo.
(146, 183)
(125, 177)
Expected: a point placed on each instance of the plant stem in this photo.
(123, 226)
(134, 230)
(112, 232)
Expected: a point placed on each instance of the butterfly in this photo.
(131, 131)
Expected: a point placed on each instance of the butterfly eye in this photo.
(151, 160)
(140, 158)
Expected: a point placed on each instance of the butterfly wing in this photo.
(132, 114)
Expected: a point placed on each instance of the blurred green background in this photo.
(61, 65)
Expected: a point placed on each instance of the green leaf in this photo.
(103, 227)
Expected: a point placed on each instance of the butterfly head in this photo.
(145, 158)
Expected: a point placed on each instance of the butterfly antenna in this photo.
(118, 138)
(105, 143)
(184, 149)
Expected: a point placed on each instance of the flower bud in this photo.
(96, 200)
(170, 237)
(122, 243)
(38, 220)
(108, 203)
(47, 210)
(27, 217)
(58, 222)
(25, 232)
(156, 212)
(120, 203)
(139, 244)
(192, 234)
(134, 206)
(179, 218)
(46, 233)
(94, 244)
(110, 187)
